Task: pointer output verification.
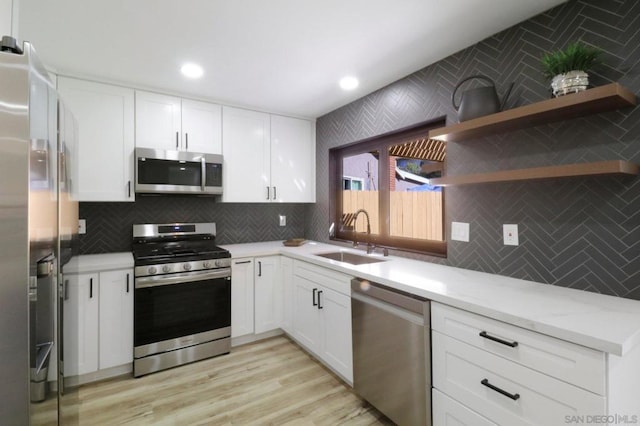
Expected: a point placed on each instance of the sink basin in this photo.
(351, 258)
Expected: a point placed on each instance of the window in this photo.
(351, 183)
(389, 178)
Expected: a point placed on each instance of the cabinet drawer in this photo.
(449, 412)
(566, 361)
(520, 394)
(331, 279)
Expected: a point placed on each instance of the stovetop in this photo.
(173, 243)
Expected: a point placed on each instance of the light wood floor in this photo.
(271, 382)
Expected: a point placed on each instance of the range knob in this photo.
(220, 263)
(153, 270)
(186, 266)
(207, 264)
(166, 269)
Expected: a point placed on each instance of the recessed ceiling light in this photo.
(349, 83)
(192, 70)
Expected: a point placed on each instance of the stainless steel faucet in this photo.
(370, 247)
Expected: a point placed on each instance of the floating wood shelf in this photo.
(599, 99)
(584, 169)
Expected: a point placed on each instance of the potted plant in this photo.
(567, 69)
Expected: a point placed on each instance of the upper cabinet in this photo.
(293, 159)
(268, 158)
(6, 12)
(105, 116)
(170, 123)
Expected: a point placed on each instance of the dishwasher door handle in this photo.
(392, 309)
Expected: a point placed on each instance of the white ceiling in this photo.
(283, 56)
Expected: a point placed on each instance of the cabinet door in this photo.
(105, 116)
(158, 121)
(293, 160)
(241, 297)
(5, 17)
(335, 328)
(286, 267)
(268, 294)
(306, 326)
(201, 127)
(245, 146)
(80, 327)
(116, 318)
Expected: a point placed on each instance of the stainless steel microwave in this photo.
(177, 172)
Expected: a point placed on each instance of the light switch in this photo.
(460, 231)
(283, 220)
(82, 226)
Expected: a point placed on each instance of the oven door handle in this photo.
(156, 281)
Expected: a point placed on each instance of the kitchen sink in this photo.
(353, 259)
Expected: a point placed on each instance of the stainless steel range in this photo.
(182, 296)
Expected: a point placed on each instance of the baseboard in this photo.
(250, 338)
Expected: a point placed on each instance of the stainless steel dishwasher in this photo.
(391, 351)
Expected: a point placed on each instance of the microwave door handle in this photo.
(203, 169)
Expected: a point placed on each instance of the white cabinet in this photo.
(293, 160)
(286, 268)
(116, 318)
(242, 297)
(487, 371)
(268, 295)
(267, 158)
(98, 321)
(6, 13)
(322, 316)
(171, 123)
(80, 325)
(105, 116)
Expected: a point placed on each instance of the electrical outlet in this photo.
(460, 231)
(82, 226)
(510, 234)
(283, 220)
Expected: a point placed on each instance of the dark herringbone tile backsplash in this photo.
(582, 232)
(109, 225)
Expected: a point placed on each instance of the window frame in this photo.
(381, 143)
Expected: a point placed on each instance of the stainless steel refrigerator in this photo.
(36, 209)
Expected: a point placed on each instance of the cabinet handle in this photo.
(267, 192)
(496, 339)
(243, 262)
(315, 290)
(129, 188)
(319, 304)
(514, 396)
(127, 283)
(90, 288)
(186, 141)
(274, 193)
(66, 289)
(177, 136)
(259, 268)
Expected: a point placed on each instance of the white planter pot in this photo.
(570, 82)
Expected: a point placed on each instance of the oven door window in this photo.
(178, 310)
(169, 172)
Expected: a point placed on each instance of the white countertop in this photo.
(607, 323)
(87, 263)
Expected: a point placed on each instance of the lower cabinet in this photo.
(268, 294)
(490, 372)
(322, 316)
(286, 269)
(241, 297)
(98, 321)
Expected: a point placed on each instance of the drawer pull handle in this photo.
(514, 396)
(315, 291)
(496, 339)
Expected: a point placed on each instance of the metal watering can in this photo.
(479, 101)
